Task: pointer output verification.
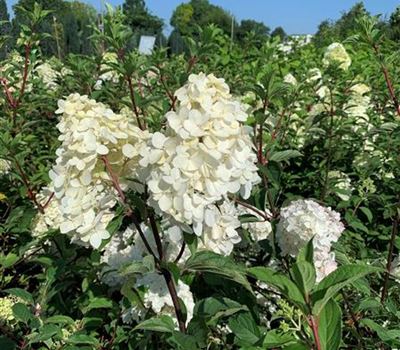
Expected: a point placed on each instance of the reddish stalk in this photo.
(25, 74)
(9, 97)
(175, 300)
(388, 81)
(135, 108)
(31, 193)
(395, 228)
(179, 256)
(166, 274)
(254, 209)
(169, 94)
(314, 327)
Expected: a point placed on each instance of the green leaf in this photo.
(21, 294)
(284, 155)
(163, 324)
(303, 274)
(7, 344)
(335, 281)
(386, 335)
(45, 333)
(21, 312)
(98, 303)
(280, 281)
(214, 308)
(307, 253)
(60, 319)
(82, 339)
(367, 213)
(330, 326)
(245, 328)
(183, 341)
(274, 339)
(8, 260)
(205, 261)
(297, 346)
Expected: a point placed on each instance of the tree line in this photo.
(71, 24)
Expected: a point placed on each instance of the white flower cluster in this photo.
(51, 218)
(6, 305)
(206, 154)
(290, 79)
(108, 74)
(260, 229)
(300, 222)
(358, 104)
(337, 54)
(11, 70)
(48, 75)
(341, 183)
(127, 247)
(220, 233)
(5, 166)
(82, 184)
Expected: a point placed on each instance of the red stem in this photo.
(167, 275)
(314, 327)
(395, 228)
(31, 193)
(25, 75)
(135, 108)
(388, 81)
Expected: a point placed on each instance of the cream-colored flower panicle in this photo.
(206, 154)
(92, 135)
(127, 247)
(306, 219)
(337, 54)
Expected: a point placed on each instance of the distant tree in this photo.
(279, 32)
(325, 34)
(141, 21)
(182, 17)
(139, 18)
(78, 21)
(186, 17)
(394, 24)
(5, 27)
(345, 26)
(247, 26)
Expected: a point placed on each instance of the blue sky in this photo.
(295, 16)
